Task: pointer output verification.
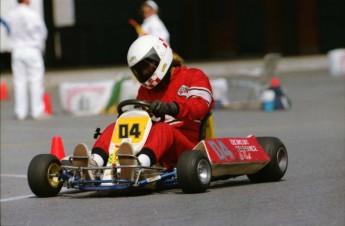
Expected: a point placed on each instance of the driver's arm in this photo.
(199, 98)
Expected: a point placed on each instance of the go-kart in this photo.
(262, 159)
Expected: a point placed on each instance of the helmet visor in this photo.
(144, 69)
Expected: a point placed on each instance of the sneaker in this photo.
(127, 173)
(96, 173)
(81, 158)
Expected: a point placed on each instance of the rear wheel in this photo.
(194, 172)
(277, 167)
(43, 174)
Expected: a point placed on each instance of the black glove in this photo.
(159, 108)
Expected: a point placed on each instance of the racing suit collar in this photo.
(178, 70)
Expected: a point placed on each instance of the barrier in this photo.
(336, 59)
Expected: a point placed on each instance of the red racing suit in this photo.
(191, 90)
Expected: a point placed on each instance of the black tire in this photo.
(194, 172)
(277, 167)
(40, 178)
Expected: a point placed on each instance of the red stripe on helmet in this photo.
(164, 44)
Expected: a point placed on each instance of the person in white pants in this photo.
(28, 35)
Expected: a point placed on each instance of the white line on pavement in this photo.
(16, 198)
(14, 175)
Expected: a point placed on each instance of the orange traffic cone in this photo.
(57, 148)
(48, 108)
(3, 92)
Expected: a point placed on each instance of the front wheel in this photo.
(43, 174)
(277, 166)
(194, 172)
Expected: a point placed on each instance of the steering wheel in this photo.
(139, 103)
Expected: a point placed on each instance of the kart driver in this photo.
(183, 96)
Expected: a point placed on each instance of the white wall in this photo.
(63, 13)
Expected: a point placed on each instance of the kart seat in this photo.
(207, 127)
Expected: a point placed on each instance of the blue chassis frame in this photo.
(168, 178)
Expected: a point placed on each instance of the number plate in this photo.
(132, 128)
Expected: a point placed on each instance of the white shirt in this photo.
(28, 29)
(154, 26)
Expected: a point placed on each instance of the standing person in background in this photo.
(152, 24)
(28, 36)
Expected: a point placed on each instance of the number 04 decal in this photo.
(132, 128)
(125, 131)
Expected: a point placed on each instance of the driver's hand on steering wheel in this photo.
(160, 109)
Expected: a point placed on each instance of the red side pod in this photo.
(234, 156)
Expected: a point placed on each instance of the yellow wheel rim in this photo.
(53, 172)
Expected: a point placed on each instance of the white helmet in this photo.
(149, 58)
